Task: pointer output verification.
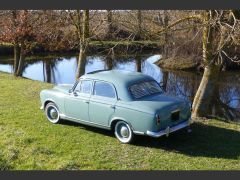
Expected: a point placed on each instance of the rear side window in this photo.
(104, 89)
(143, 89)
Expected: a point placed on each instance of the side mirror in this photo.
(75, 93)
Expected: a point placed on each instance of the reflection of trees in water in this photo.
(165, 80)
(230, 94)
(138, 60)
(181, 84)
(185, 84)
(50, 70)
(109, 62)
(227, 99)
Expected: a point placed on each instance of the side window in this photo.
(104, 89)
(84, 86)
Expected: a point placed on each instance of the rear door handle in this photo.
(86, 101)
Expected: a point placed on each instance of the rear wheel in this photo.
(52, 113)
(123, 132)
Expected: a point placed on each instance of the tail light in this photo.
(157, 119)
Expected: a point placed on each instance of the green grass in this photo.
(29, 141)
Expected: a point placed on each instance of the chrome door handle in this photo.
(113, 106)
(86, 101)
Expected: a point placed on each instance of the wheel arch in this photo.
(48, 101)
(116, 119)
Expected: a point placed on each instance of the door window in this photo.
(84, 86)
(104, 89)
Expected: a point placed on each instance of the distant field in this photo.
(29, 141)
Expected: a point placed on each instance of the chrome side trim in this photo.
(169, 130)
(176, 110)
(138, 132)
(63, 116)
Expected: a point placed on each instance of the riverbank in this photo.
(180, 63)
(29, 141)
(95, 47)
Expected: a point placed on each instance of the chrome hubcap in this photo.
(124, 132)
(53, 113)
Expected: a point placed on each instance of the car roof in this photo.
(121, 79)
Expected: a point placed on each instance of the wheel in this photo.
(52, 113)
(123, 132)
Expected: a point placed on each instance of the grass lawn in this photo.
(29, 141)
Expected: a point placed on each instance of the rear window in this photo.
(143, 89)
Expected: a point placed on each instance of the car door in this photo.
(102, 103)
(77, 102)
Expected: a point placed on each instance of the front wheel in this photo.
(52, 113)
(123, 132)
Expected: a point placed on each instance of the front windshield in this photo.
(145, 88)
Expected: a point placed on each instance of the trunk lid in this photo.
(172, 110)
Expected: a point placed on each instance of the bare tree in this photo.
(17, 29)
(80, 19)
(84, 35)
(218, 30)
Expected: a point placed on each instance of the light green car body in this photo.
(105, 112)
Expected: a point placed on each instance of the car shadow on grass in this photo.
(89, 128)
(203, 141)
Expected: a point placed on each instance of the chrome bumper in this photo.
(169, 130)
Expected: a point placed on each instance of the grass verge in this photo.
(28, 141)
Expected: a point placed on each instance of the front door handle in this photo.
(113, 106)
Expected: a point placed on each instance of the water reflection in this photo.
(226, 103)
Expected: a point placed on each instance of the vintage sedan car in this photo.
(126, 102)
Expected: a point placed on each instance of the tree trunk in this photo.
(81, 62)
(84, 35)
(21, 60)
(16, 58)
(109, 25)
(205, 93)
(166, 35)
(85, 25)
(139, 30)
(138, 64)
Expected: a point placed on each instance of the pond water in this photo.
(62, 70)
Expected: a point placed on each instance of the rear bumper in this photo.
(169, 130)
